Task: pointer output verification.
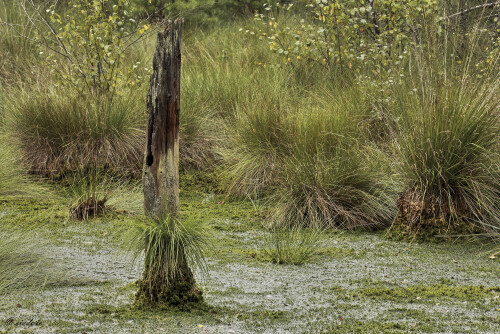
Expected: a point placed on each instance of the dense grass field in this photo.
(339, 162)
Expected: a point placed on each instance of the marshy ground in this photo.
(345, 124)
(357, 283)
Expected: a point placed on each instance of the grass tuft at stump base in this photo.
(429, 220)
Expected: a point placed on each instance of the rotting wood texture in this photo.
(161, 161)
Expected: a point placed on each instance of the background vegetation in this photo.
(330, 111)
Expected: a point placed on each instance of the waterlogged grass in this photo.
(357, 282)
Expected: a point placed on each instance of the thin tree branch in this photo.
(468, 10)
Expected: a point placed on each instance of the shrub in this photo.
(197, 12)
(344, 34)
(330, 178)
(447, 150)
(60, 133)
(86, 43)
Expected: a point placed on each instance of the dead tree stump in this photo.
(161, 171)
(161, 162)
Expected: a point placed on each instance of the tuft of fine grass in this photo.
(292, 245)
(330, 176)
(89, 191)
(18, 51)
(15, 266)
(63, 132)
(198, 135)
(447, 150)
(224, 69)
(338, 188)
(13, 179)
(257, 141)
(23, 264)
(167, 240)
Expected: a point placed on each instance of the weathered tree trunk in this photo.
(161, 171)
(161, 163)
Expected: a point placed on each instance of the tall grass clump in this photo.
(312, 160)
(60, 131)
(257, 141)
(447, 150)
(224, 69)
(199, 133)
(170, 248)
(331, 177)
(250, 103)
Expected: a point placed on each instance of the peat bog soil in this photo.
(81, 280)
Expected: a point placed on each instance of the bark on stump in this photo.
(161, 164)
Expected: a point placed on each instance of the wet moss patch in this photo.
(202, 182)
(259, 315)
(436, 291)
(20, 210)
(339, 252)
(390, 327)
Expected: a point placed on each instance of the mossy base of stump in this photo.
(180, 294)
(428, 223)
